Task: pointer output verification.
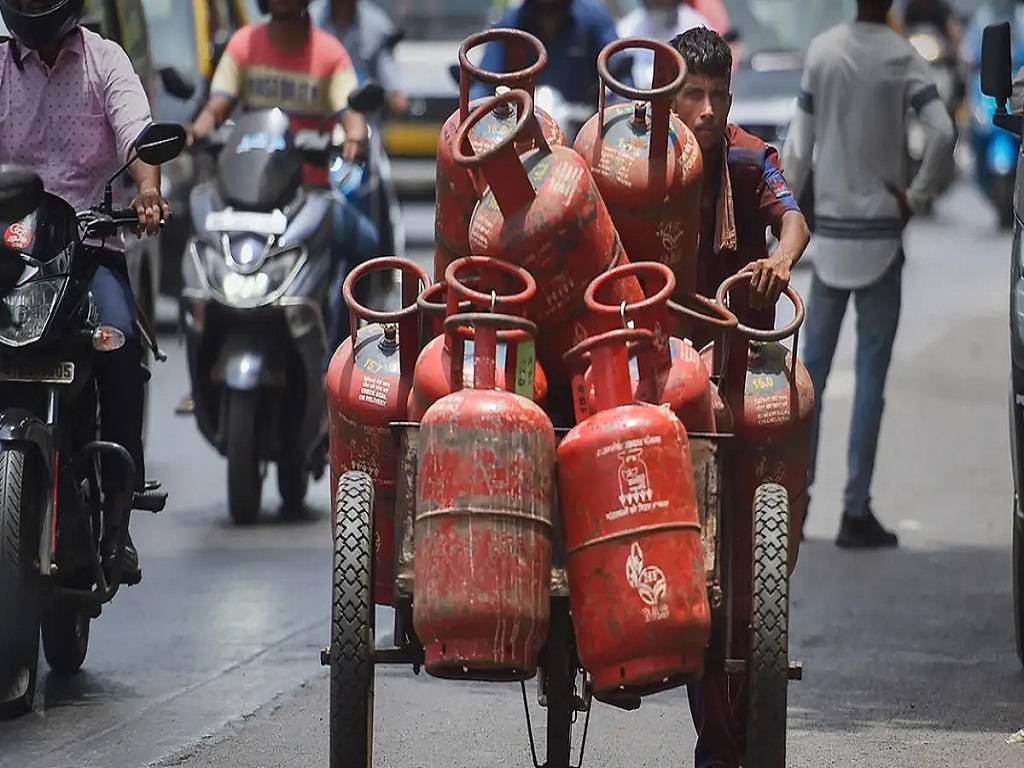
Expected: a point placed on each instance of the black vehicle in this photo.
(51, 576)
(996, 82)
(257, 273)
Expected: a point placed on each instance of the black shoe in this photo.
(864, 532)
(131, 573)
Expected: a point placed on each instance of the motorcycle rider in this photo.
(656, 20)
(365, 30)
(572, 31)
(71, 105)
(744, 193)
(290, 64)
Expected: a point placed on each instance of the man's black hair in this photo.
(705, 52)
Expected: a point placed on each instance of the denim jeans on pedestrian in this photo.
(878, 313)
(354, 240)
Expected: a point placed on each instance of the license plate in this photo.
(48, 373)
(274, 223)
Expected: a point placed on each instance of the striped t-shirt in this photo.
(311, 84)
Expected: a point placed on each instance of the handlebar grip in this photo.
(124, 216)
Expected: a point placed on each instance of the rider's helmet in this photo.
(37, 24)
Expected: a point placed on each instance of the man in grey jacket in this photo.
(860, 80)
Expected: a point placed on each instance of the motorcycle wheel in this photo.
(65, 636)
(352, 625)
(19, 630)
(292, 484)
(245, 482)
(768, 664)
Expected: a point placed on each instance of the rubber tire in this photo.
(768, 665)
(352, 625)
(65, 636)
(560, 671)
(245, 482)
(1018, 580)
(293, 484)
(19, 631)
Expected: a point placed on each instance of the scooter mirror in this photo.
(178, 85)
(21, 191)
(394, 39)
(160, 143)
(996, 78)
(368, 97)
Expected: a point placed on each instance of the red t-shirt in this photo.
(311, 84)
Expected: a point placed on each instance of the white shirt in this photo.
(859, 82)
(659, 26)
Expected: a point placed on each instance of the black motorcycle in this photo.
(51, 573)
(256, 273)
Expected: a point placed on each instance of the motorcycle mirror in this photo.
(995, 63)
(732, 35)
(21, 192)
(160, 143)
(455, 73)
(177, 84)
(368, 97)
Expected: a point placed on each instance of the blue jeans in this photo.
(354, 240)
(878, 314)
(120, 376)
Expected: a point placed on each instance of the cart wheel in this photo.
(1018, 578)
(768, 666)
(560, 679)
(352, 614)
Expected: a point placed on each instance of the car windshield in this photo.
(439, 19)
(785, 25)
(172, 34)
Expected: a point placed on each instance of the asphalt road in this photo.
(908, 655)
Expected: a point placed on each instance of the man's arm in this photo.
(938, 151)
(780, 210)
(343, 82)
(798, 152)
(225, 89)
(127, 109)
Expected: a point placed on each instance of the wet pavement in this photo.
(908, 655)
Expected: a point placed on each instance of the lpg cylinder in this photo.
(542, 211)
(484, 505)
(632, 533)
(457, 191)
(669, 371)
(647, 163)
(368, 383)
(771, 397)
(502, 287)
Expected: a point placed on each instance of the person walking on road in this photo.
(859, 81)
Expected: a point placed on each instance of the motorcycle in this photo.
(51, 573)
(257, 272)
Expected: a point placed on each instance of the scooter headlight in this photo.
(27, 309)
(262, 286)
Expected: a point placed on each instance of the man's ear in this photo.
(729, 107)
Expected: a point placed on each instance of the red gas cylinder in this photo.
(632, 533)
(457, 190)
(368, 383)
(647, 163)
(771, 398)
(484, 505)
(543, 211)
(668, 371)
(481, 283)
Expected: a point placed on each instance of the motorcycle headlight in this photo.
(27, 309)
(260, 287)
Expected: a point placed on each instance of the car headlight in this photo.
(27, 310)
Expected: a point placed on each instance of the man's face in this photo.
(704, 104)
